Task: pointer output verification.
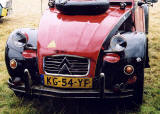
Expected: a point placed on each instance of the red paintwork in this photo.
(139, 20)
(76, 35)
(29, 54)
(26, 36)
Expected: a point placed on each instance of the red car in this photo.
(82, 49)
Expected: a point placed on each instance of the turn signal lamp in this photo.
(132, 80)
(128, 69)
(13, 64)
(111, 58)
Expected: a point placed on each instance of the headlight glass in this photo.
(19, 39)
(118, 43)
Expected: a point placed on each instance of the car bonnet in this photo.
(79, 35)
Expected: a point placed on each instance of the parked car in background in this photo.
(5, 7)
(82, 49)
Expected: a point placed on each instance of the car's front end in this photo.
(79, 56)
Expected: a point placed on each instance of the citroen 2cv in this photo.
(82, 49)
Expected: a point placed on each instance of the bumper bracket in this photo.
(28, 81)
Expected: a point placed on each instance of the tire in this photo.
(138, 97)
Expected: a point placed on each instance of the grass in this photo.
(152, 75)
(28, 16)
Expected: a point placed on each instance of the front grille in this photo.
(66, 65)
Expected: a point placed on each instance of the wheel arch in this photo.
(137, 46)
(14, 52)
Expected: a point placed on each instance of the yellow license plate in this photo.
(67, 82)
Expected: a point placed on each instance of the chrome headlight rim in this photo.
(115, 37)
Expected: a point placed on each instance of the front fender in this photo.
(134, 55)
(136, 45)
(14, 52)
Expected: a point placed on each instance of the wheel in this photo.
(138, 97)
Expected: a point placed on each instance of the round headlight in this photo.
(19, 39)
(118, 43)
